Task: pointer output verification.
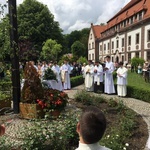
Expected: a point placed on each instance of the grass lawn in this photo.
(137, 80)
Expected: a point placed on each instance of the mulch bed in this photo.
(140, 134)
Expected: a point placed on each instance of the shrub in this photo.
(5, 85)
(88, 99)
(49, 75)
(78, 80)
(84, 97)
(57, 134)
(138, 93)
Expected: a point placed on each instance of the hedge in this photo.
(77, 80)
(138, 93)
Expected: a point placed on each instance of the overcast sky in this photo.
(79, 14)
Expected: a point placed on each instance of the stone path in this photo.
(138, 106)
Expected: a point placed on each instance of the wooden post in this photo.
(14, 57)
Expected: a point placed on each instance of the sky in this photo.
(78, 14)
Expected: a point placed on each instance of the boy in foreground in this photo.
(91, 127)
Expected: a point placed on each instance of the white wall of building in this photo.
(146, 41)
(91, 46)
(133, 39)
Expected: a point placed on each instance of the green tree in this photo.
(50, 50)
(4, 40)
(78, 49)
(36, 24)
(81, 36)
(82, 60)
(136, 61)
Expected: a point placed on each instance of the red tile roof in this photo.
(130, 9)
(97, 29)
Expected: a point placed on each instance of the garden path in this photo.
(141, 107)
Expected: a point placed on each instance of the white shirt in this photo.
(94, 146)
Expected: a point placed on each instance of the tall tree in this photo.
(4, 40)
(36, 23)
(50, 50)
(78, 49)
(81, 36)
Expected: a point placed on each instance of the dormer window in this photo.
(131, 20)
(140, 16)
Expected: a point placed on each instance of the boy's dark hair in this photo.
(108, 56)
(92, 124)
(120, 63)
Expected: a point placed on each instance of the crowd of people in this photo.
(99, 77)
(63, 72)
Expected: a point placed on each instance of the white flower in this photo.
(124, 148)
(108, 136)
(127, 144)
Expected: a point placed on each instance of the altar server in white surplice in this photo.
(109, 83)
(89, 79)
(65, 75)
(98, 77)
(122, 80)
(56, 70)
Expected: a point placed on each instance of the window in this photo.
(148, 55)
(129, 57)
(148, 35)
(125, 23)
(112, 45)
(122, 58)
(129, 40)
(135, 17)
(112, 58)
(92, 44)
(137, 38)
(89, 46)
(131, 20)
(89, 56)
(101, 47)
(108, 46)
(92, 56)
(137, 54)
(140, 16)
(122, 42)
(104, 47)
(91, 36)
(117, 44)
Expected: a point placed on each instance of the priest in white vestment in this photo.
(89, 80)
(109, 82)
(56, 70)
(98, 77)
(122, 80)
(65, 75)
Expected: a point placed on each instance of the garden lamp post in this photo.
(14, 55)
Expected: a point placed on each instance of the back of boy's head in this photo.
(92, 124)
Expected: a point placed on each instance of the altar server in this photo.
(89, 71)
(122, 80)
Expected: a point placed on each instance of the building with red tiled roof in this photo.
(126, 35)
(93, 41)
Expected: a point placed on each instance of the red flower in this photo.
(41, 103)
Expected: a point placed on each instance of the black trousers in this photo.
(99, 88)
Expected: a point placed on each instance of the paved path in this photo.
(138, 106)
